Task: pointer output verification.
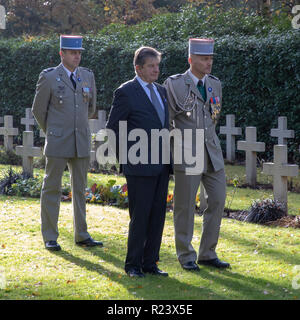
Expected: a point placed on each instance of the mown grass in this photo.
(262, 258)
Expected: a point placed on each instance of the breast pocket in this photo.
(60, 96)
(54, 132)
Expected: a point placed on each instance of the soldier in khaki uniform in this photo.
(195, 103)
(65, 98)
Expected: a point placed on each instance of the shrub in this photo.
(22, 185)
(256, 62)
(266, 210)
(9, 157)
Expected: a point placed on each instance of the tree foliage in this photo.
(256, 62)
(39, 17)
(43, 17)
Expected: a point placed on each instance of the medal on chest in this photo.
(215, 108)
(86, 92)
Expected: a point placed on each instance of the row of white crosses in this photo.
(279, 169)
(28, 151)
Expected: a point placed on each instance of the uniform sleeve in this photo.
(171, 104)
(41, 101)
(92, 104)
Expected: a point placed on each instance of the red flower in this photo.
(124, 187)
(94, 188)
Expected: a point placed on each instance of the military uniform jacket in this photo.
(62, 112)
(188, 110)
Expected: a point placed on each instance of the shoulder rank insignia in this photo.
(175, 76)
(48, 70)
(86, 69)
(213, 77)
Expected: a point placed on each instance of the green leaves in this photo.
(256, 62)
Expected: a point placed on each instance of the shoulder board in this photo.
(48, 70)
(176, 76)
(213, 77)
(86, 69)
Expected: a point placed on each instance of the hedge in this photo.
(259, 70)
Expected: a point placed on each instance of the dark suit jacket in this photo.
(132, 104)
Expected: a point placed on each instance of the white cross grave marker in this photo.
(29, 120)
(281, 132)
(251, 146)
(28, 152)
(8, 131)
(231, 131)
(280, 170)
(96, 125)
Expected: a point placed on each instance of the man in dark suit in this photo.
(142, 104)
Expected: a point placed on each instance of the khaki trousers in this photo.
(51, 196)
(186, 187)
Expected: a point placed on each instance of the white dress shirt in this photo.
(195, 79)
(147, 90)
(69, 72)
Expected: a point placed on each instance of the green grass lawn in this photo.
(263, 259)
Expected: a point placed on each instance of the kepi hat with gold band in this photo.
(70, 42)
(201, 46)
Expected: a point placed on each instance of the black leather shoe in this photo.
(214, 263)
(89, 243)
(52, 245)
(190, 266)
(156, 272)
(135, 273)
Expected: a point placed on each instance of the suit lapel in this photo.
(63, 76)
(142, 94)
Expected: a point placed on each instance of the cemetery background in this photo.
(257, 56)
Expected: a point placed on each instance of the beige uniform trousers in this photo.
(186, 187)
(51, 196)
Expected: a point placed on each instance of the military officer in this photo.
(194, 103)
(64, 100)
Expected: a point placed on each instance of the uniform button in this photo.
(76, 105)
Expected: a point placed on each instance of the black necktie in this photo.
(72, 80)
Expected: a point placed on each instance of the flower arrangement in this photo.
(108, 194)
